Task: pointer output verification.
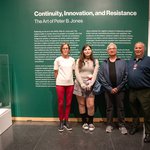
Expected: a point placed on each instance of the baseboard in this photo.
(70, 119)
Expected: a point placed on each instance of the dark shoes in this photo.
(147, 138)
(64, 124)
(61, 126)
(133, 130)
(67, 126)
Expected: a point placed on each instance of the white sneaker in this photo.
(85, 126)
(109, 129)
(123, 130)
(91, 127)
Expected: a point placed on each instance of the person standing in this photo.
(139, 84)
(63, 72)
(113, 77)
(86, 73)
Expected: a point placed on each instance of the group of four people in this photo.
(114, 74)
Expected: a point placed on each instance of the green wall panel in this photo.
(32, 43)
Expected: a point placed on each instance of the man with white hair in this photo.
(113, 76)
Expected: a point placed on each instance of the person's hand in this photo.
(114, 91)
(88, 88)
(83, 86)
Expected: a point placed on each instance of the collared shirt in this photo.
(139, 73)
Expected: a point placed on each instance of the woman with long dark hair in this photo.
(86, 72)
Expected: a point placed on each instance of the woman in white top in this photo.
(63, 72)
(86, 73)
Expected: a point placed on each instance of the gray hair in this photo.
(111, 44)
(141, 44)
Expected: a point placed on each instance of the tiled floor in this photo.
(45, 136)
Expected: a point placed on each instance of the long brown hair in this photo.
(82, 56)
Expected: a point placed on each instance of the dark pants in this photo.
(112, 101)
(141, 97)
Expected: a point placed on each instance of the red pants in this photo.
(64, 92)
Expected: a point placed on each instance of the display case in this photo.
(5, 98)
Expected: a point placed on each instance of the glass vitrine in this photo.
(5, 98)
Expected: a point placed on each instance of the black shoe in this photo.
(147, 138)
(61, 127)
(133, 130)
(67, 126)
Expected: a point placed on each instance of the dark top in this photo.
(139, 73)
(112, 73)
(121, 74)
